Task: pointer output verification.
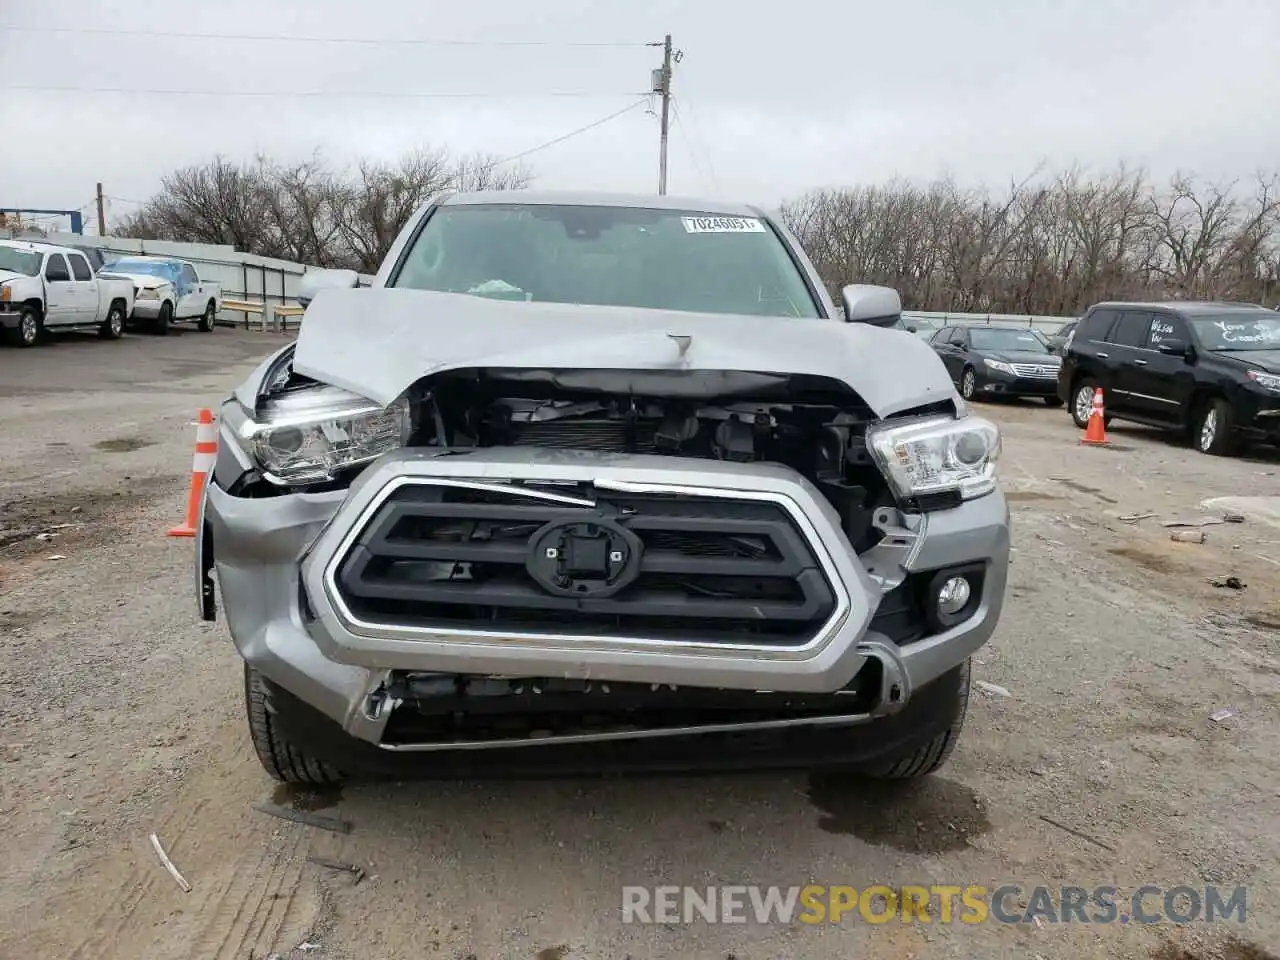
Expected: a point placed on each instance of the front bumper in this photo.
(277, 561)
(992, 382)
(145, 309)
(1257, 415)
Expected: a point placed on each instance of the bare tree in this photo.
(1047, 245)
(306, 211)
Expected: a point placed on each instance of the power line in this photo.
(355, 41)
(688, 143)
(573, 133)
(371, 94)
(693, 140)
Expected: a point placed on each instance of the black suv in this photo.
(1209, 369)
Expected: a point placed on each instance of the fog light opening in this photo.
(953, 596)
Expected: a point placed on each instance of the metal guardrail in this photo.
(942, 319)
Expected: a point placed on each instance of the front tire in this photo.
(112, 327)
(927, 758)
(160, 326)
(968, 383)
(205, 325)
(29, 329)
(1213, 428)
(280, 758)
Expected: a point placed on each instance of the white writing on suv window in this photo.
(1241, 332)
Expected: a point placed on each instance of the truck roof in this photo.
(36, 246)
(585, 198)
(116, 255)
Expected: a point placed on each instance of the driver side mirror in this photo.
(867, 303)
(1175, 348)
(313, 281)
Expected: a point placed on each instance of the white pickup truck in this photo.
(167, 290)
(46, 287)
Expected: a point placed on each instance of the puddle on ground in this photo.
(1231, 949)
(306, 797)
(123, 444)
(552, 953)
(930, 815)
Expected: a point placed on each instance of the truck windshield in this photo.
(608, 256)
(139, 266)
(1238, 331)
(25, 262)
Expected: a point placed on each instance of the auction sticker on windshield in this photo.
(722, 225)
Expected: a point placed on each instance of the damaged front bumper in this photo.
(305, 611)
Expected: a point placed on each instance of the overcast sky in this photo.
(772, 97)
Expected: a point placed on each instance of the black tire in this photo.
(930, 757)
(1053, 401)
(968, 383)
(208, 318)
(1082, 402)
(1212, 431)
(113, 327)
(30, 327)
(160, 326)
(279, 758)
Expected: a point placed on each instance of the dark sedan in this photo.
(1008, 361)
(1058, 339)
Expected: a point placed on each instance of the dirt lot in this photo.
(120, 715)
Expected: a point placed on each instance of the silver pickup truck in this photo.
(46, 288)
(597, 481)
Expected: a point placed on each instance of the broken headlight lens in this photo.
(308, 435)
(937, 455)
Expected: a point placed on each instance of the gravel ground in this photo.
(121, 715)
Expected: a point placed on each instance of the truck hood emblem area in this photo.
(586, 559)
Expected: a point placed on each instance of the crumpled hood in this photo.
(144, 280)
(379, 342)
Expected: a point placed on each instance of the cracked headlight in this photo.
(937, 455)
(309, 434)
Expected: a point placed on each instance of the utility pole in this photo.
(663, 87)
(102, 216)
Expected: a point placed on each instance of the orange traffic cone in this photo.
(201, 467)
(1095, 434)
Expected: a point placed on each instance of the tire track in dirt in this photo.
(251, 895)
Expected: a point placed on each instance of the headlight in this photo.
(1268, 381)
(309, 435)
(936, 455)
(147, 294)
(1001, 366)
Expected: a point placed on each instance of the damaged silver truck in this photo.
(593, 482)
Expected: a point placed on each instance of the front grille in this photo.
(1036, 371)
(610, 436)
(705, 569)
